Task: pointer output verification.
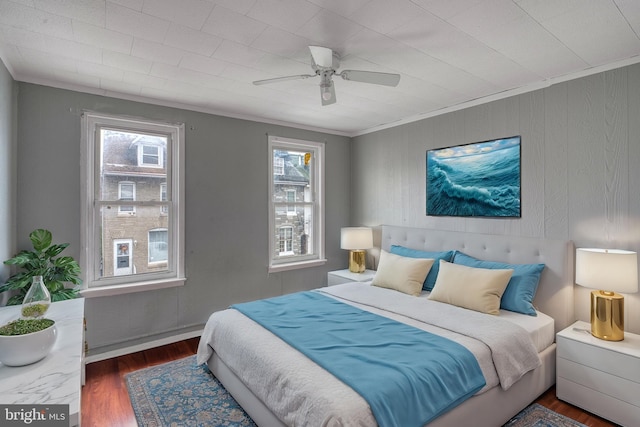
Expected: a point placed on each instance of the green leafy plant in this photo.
(43, 261)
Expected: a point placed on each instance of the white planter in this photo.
(20, 350)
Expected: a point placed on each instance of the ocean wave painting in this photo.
(481, 179)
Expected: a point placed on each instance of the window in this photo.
(278, 166)
(126, 193)
(158, 245)
(296, 208)
(132, 192)
(164, 209)
(291, 199)
(150, 155)
(285, 241)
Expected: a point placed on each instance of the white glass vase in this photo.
(37, 301)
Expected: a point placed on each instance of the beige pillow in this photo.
(478, 289)
(401, 273)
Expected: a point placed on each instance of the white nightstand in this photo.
(343, 276)
(602, 377)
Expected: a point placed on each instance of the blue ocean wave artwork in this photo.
(481, 179)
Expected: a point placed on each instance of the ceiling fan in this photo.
(325, 62)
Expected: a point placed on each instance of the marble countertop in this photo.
(56, 379)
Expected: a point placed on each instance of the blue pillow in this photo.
(522, 287)
(430, 280)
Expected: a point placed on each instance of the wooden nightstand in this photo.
(602, 377)
(343, 276)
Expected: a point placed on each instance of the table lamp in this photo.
(356, 240)
(616, 271)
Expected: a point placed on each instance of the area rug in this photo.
(536, 415)
(180, 393)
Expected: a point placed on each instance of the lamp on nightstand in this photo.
(356, 240)
(612, 269)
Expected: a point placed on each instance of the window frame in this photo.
(317, 256)
(91, 237)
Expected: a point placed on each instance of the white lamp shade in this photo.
(607, 269)
(354, 238)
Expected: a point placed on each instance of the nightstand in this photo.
(602, 377)
(337, 277)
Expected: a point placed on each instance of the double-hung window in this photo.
(132, 198)
(296, 203)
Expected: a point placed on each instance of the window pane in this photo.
(291, 175)
(150, 155)
(158, 245)
(140, 229)
(294, 232)
(292, 185)
(119, 151)
(144, 235)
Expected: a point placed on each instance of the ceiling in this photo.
(204, 54)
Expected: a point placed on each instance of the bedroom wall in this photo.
(8, 117)
(580, 175)
(226, 210)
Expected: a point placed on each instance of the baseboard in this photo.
(141, 344)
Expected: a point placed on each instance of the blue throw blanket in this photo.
(407, 376)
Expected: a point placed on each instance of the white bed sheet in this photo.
(541, 328)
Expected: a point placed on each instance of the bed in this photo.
(277, 385)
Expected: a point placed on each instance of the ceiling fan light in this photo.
(326, 92)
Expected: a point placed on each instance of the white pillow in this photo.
(478, 289)
(401, 273)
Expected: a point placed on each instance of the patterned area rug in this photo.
(536, 415)
(182, 394)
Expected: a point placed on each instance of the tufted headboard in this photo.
(555, 291)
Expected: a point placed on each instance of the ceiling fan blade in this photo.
(322, 56)
(328, 93)
(386, 79)
(282, 79)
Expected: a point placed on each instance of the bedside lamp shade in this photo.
(356, 240)
(612, 271)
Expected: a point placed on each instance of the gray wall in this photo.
(580, 174)
(8, 116)
(226, 209)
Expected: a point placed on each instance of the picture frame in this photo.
(480, 179)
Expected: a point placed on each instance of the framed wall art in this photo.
(481, 179)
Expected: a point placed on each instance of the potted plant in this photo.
(43, 260)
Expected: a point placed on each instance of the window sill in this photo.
(105, 291)
(296, 265)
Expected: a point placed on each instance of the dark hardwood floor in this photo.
(105, 402)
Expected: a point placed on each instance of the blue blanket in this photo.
(407, 376)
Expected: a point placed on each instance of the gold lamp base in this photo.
(607, 315)
(357, 260)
